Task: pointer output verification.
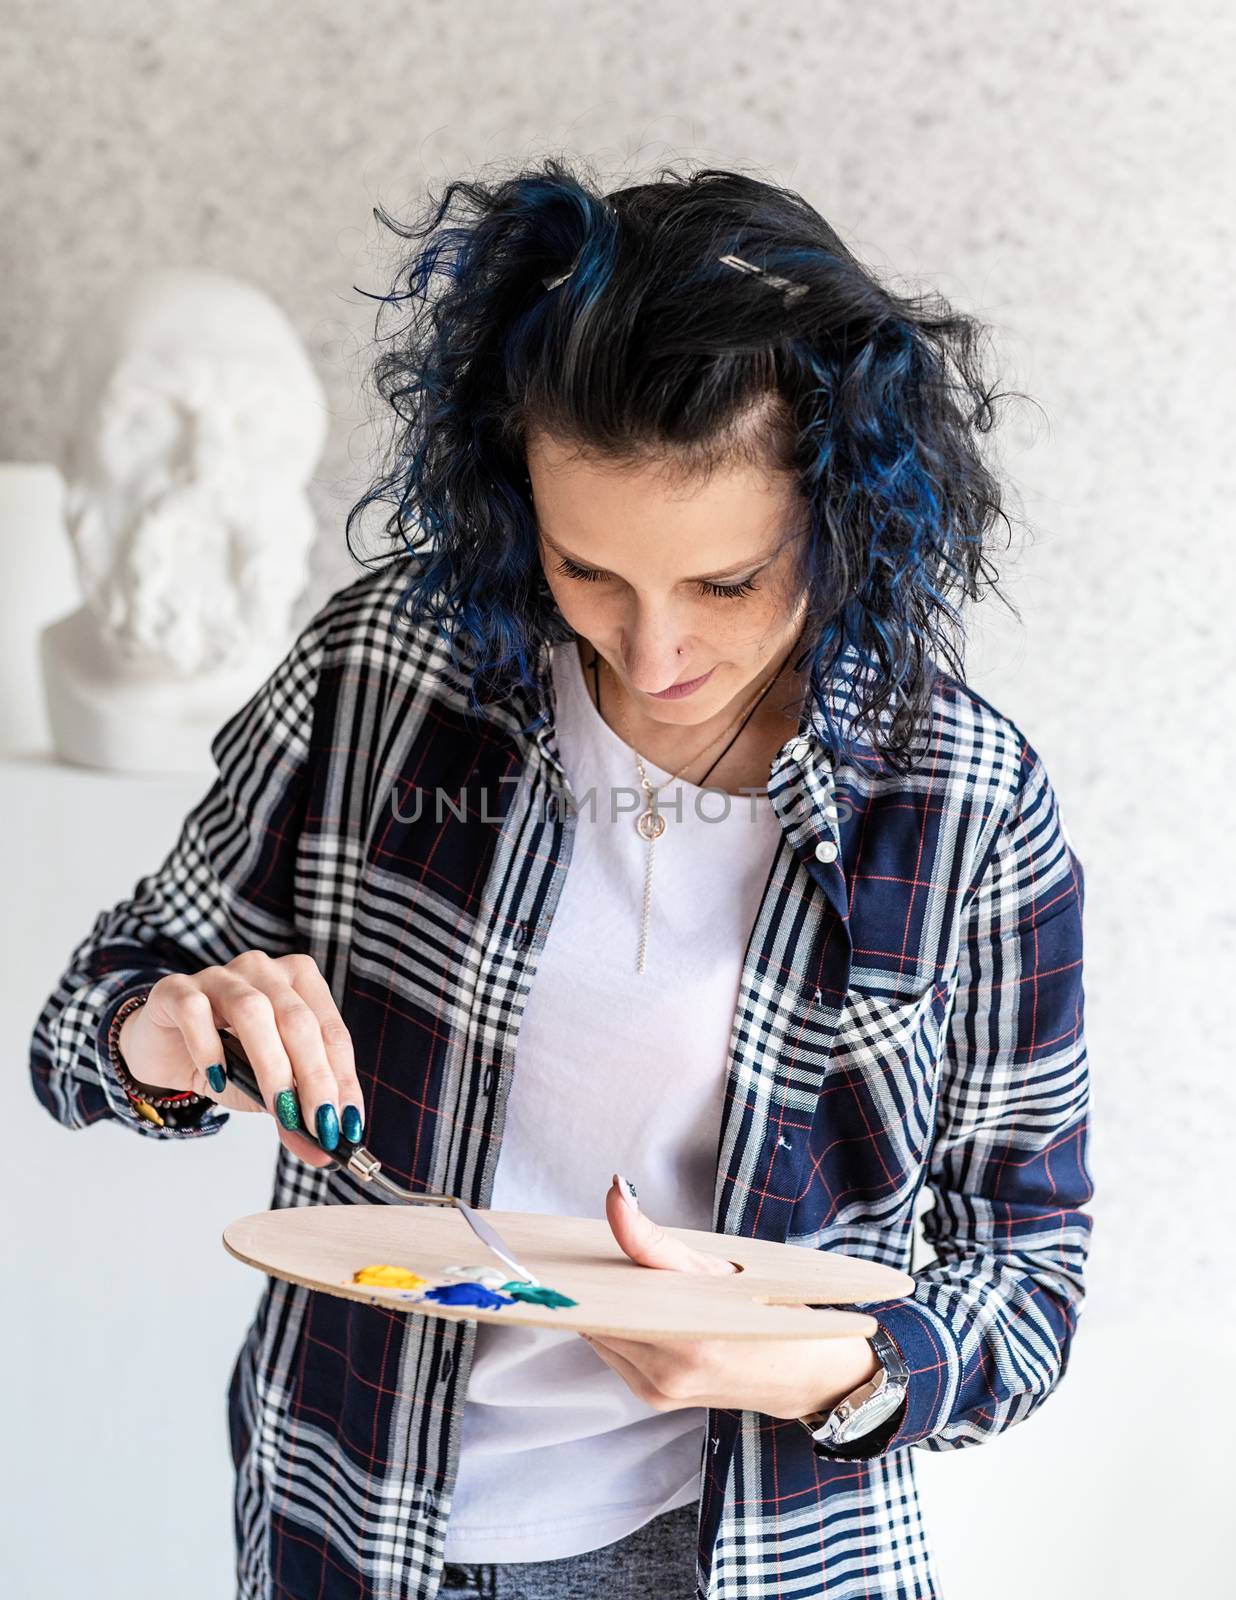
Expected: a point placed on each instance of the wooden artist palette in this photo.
(322, 1247)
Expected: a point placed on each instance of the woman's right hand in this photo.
(282, 1011)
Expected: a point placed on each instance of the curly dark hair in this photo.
(610, 321)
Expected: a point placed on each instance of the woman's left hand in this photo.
(778, 1377)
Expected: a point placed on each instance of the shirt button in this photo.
(800, 749)
(826, 850)
(831, 811)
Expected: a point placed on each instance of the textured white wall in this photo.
(1059, 170)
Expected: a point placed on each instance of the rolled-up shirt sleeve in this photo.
(227, 885)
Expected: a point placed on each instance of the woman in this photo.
(624, 825)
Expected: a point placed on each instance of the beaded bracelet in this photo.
(184, 1107)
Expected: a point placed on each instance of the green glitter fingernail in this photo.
(287, 1109)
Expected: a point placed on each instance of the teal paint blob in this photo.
(468, 1294)
(536, 1294)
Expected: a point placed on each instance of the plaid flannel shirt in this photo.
(909, 1013)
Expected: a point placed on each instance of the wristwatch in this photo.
(865, 1408)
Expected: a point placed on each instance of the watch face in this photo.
(869, 1417)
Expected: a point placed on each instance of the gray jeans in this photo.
(656, 1562)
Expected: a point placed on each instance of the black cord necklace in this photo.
(596, 680)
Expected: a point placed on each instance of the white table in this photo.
(121, 1236)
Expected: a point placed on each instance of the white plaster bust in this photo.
(192, 421)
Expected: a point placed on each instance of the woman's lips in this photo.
(677, 690)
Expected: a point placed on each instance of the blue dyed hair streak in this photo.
(618, 322)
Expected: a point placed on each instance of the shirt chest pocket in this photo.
(885, 1029)
(877, 1106)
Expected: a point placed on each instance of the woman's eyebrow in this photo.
(752, 565)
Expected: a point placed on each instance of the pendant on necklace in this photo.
(650, 824)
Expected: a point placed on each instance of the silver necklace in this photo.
(650, 824)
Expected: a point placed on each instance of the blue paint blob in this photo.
(468, 1294)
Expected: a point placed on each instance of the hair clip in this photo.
(553, 283)
(792, 290)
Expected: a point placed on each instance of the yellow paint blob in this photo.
(387, 1277)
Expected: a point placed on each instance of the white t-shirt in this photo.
(614, 1071)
